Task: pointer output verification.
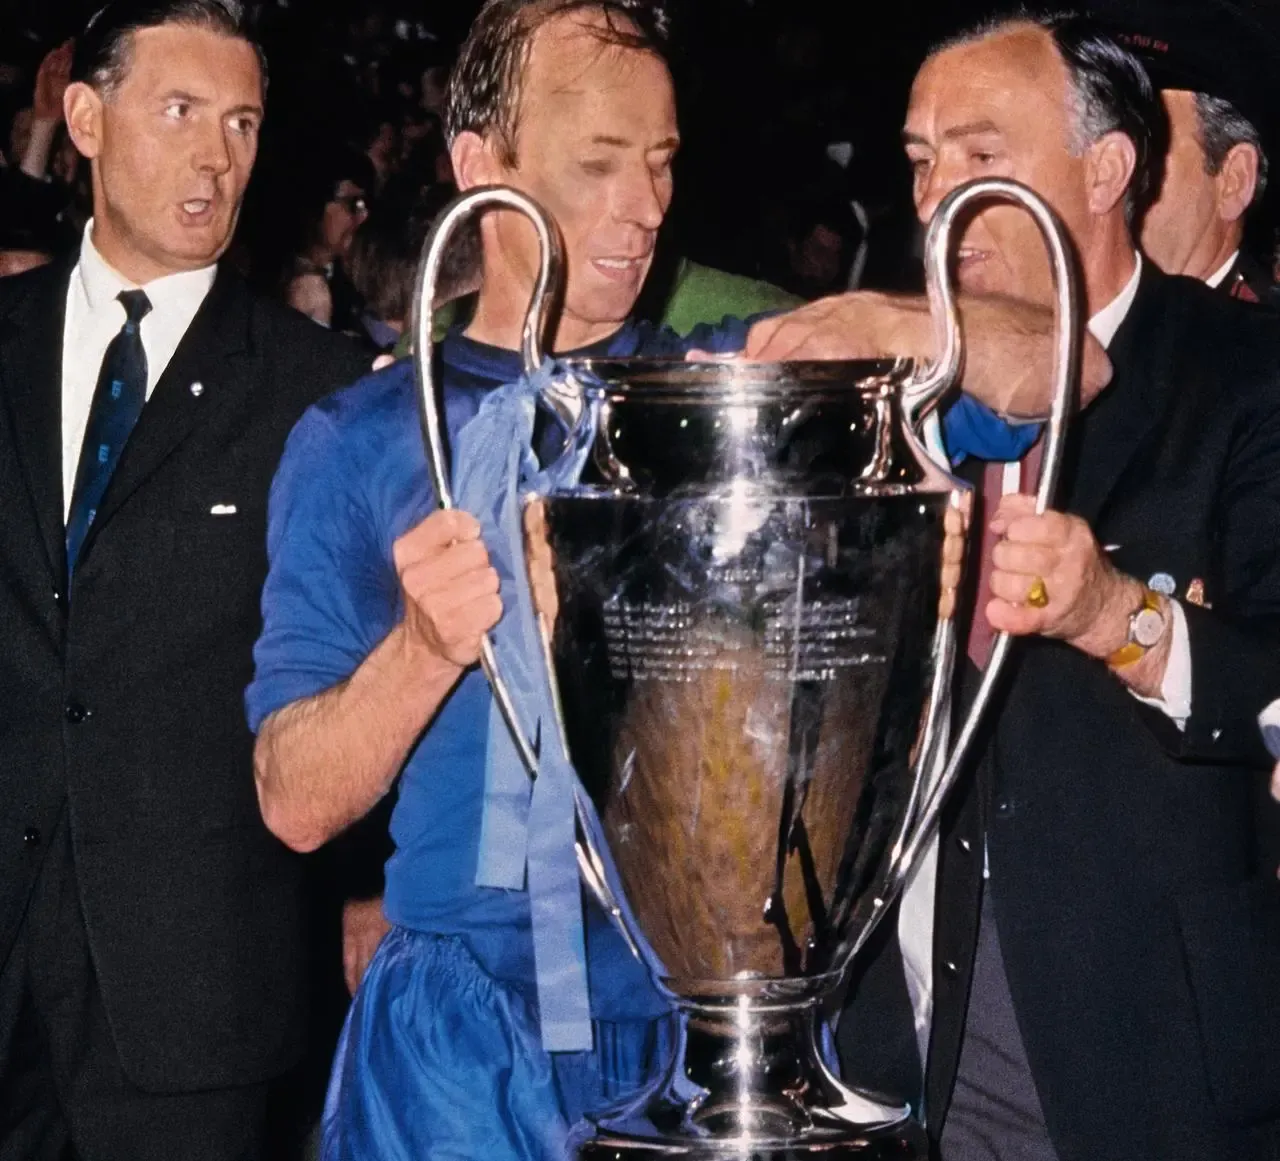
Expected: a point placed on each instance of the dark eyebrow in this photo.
(968, 129)
(240, 110)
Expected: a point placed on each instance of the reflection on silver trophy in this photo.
(752, 648)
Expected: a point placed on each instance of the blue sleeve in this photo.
(971, 429)
(330, 595)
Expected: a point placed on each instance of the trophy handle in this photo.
(923, 397)
(565, 401)
(430, 398)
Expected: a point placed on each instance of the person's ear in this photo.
(82, 107)
(1237, 181)
(1112, 162)
(475, 161)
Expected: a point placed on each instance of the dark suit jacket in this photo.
(123, 698)
(1139, 920)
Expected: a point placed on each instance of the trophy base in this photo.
(905, 1142)
(749, 1082)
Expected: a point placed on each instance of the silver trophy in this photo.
(752, 647)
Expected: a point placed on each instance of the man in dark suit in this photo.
(1215, 68)
(150, 957)
(1103, 968)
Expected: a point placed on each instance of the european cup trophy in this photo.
(752, 645)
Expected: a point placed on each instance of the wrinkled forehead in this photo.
(204, 61)
(1012, 79)
(575, 65)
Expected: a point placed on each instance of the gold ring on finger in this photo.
(1038, 594)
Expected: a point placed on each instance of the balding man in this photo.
(1107, 944)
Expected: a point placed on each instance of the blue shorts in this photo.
(440, 1061)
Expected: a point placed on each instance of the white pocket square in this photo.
(223, 510)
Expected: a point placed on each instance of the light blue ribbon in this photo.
(527, 830)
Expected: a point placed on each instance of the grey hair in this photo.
(1222, 128)
(1110, 92)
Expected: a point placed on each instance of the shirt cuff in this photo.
(1269, 723)
(1175, 691)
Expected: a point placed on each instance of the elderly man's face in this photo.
(1185, 229)
(172, 147)
(1000, 107)
(597, 134)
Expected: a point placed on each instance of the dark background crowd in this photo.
(791, 169)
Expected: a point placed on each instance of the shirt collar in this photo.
(1219, 276)
(102, 282)
(1106, 322)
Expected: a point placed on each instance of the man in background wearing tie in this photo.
(1215, 68)
(150, 953)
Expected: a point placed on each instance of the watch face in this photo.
(1147, 627)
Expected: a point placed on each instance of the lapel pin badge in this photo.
(1163, 584)
(197, 388)
(1195, 593)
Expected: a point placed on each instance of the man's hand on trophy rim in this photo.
(861, 324)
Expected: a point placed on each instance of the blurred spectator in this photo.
(433, 84)
(384, 151)
(334, 201)
(820, 235)
(383, 260)
(23, 247)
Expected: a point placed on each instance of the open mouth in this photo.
(197, 208)
(620, 268)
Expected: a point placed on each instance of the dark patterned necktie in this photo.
(117, 403)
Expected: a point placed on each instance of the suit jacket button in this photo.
(1004, 807)
(31, 837)
(951, 969)
(75, 713)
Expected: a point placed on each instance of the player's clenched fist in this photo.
(450, 589)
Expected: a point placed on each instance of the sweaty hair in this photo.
(102, 51)
(1110, 92)
(1222, 128)
(484, 90)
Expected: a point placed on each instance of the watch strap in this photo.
(1132, 651)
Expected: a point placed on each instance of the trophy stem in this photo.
(747, 1082)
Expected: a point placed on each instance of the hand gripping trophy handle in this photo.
(430, 404)
(919, 400)
(431, 415)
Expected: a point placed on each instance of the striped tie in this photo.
(117, 403)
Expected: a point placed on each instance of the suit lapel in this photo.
(31, 387)
(209, 371)
(1109, 434)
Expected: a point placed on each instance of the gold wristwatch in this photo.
(1147, 624)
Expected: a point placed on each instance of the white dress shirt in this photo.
(917, 909)
(94, 318)
(1217, 278)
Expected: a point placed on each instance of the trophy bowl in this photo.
(751, 646)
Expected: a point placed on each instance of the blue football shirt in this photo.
(352, 480)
